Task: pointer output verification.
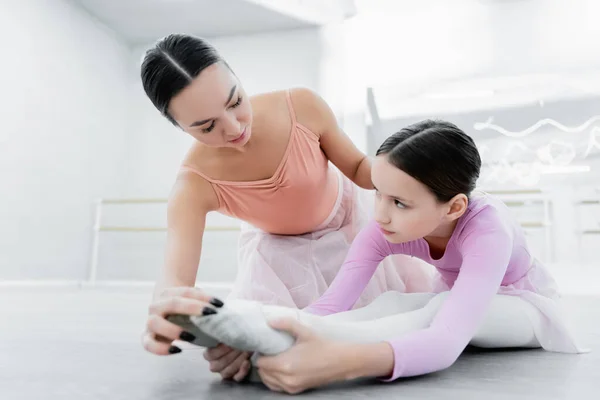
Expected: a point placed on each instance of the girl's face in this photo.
(214, 108)
(406, 209)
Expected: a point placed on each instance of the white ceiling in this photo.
(143, 21)
(484, 93)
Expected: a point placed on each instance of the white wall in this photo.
(63, 125)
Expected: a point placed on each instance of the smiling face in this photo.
(214, 108)
(406, 209)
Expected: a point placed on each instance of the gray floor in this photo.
(84, 344)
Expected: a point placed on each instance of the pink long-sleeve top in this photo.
(486, 250)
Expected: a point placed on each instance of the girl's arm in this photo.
(367, 251)
(486, 254)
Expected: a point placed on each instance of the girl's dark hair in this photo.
(172, 64)
(436, 153)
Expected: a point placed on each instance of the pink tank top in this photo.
(299, 196)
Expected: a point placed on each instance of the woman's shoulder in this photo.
(312, 110)
(270, 111)
(301, 99)
(299, 94)
(198, 158)
(302, 104)
(192, 193)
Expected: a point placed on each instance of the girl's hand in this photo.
(311, 362)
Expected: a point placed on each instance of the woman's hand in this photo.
(160, 333)
(228, 362)
(311, 362)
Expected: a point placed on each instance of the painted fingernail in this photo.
(188, 337)
(174, 350)
(216, 302)
(208, 311)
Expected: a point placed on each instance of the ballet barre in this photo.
(587, 225)
(98, 228)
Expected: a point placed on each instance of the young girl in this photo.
(491, 292)
(270, 161)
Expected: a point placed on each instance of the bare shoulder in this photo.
(307, 100)
(301, 97)
(270, 112)
(274, 96)
(191, 196)
(312, 110)
(202, 159)
(196, 155)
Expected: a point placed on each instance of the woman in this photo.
(265, 160)
(491, 292)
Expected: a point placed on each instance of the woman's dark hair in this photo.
(172, 64)
(437, 154)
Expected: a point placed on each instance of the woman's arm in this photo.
(191, 199)
(175, 293)
(313, 112)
